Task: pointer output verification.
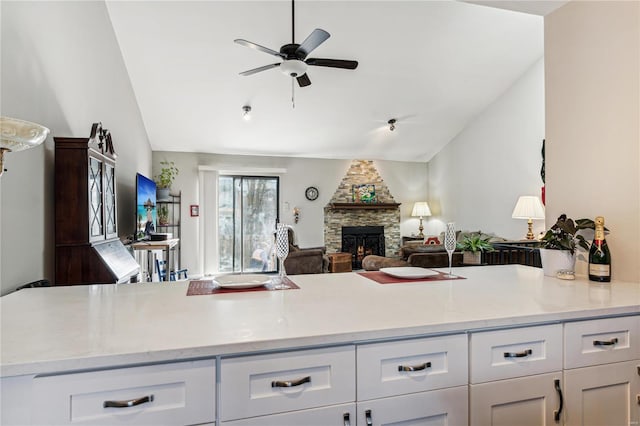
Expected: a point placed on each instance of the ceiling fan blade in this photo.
(252, 45)
(257, 70)
(303, 80)
(315, 39)
(333, 63)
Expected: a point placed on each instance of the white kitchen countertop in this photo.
(59, 329)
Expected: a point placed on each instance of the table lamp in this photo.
(420, 209)
(528, 207)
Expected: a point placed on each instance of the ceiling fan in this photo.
(294, 56)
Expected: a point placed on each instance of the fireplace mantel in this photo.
(363, 206)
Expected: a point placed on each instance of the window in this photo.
(247, 217)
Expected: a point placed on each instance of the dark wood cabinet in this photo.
(88, 250)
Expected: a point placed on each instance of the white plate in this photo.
(242, 280)
(409, 272)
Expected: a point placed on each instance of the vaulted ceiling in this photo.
(431, 65)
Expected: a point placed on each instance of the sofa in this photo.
(419, 254)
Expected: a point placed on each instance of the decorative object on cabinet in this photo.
(311, 193)
(18, 135)
(87, 248)
(172, 226)
(165, 179)
(562, 237)
(528, 207)
(420, 210)
(472, 247)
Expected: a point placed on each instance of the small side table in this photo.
(339, 262)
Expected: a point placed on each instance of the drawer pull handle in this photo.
(290, 383)
(605, 342)
(367, 417)
(522, 354)
(345, 418)
(420, 367)
(556, 413)
(128, 403)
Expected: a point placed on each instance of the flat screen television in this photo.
(146, 211)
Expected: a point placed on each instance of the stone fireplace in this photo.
(344, 211)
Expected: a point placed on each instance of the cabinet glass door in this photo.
(110, 201)
(96, 222)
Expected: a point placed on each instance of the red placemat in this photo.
(382, 278)
(202, 287)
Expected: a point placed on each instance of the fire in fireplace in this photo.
(362, 241)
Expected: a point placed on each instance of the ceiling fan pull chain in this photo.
(293, 91)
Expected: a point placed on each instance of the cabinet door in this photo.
(110, 222)
(603, 395)
(336, 415)
(96, 207)
(525, 401)
(433, 408)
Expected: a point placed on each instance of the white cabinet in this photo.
(176, 393)
(515, 376)
(603, 395)
(433, 408)
(396, 368)
(274, 383)
(516, 352)
(602, 372)
(524, 401)
(339, 415)
(411, 382)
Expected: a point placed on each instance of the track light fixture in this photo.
(246, 112)
(392, 124)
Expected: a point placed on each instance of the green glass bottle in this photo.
(599, 255)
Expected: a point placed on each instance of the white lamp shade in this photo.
(16, 135)
(421, 209)
(528, 207)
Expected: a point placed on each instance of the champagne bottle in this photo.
(599, 255)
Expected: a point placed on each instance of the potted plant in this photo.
(165, 179)
(472, 247)
(558, 245)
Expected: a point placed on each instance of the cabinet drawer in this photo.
(438, 407)
(516, 352)
(275, 383)
(178, 393)
(601, 341)
(437, 362)
(338, 415)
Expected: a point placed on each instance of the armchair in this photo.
(305, 260)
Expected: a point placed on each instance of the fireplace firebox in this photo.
(362, 241)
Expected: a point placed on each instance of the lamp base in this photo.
(420, 228)
(530, 235)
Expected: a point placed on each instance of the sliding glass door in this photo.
(247, 216)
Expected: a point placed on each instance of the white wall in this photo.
(62, 68)
(477, 178)
(406, 181)
(592, 56)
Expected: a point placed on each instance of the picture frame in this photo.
(195, 210)
(365, 193)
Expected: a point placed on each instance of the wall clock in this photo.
(311, 193)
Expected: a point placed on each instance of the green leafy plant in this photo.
(475, 243)
(563, 235)
(167, 174)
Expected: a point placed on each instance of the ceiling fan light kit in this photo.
(246, 112)
(392, 124)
